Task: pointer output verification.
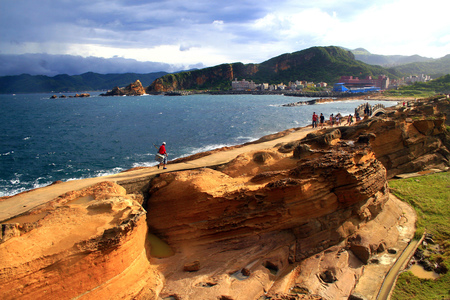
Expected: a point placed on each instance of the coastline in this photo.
(365, 286)
(12, 206)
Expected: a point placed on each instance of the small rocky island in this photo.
(309, 217)
(83, 95)
(133, 89)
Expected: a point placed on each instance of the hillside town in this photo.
(345, 84)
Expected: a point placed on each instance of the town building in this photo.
(242, 85)
(417, 78)
(381, 82)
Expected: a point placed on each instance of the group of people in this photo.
(316, 119)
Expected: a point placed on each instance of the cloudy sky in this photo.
(91, 35)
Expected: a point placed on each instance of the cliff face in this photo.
(202, 79)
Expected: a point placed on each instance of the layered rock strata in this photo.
(271, 210)
(88, 244)
(303, 220)
(411, 139)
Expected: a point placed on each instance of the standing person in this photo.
(162, 155)
(314, 119)
(331, 120)
(350, 120)
(338, 119)
(322, 120)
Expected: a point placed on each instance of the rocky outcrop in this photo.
(133, 89)
(82, 95)
(409, 140)
(247, 224)
(89, 244)
(223, 205)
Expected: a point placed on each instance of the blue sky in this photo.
(175, 35)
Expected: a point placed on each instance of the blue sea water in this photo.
(43, 140)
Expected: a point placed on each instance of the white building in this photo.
(417, 78)
(242, 85)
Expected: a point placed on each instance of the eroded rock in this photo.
(89, 242)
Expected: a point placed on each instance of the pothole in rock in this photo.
(328, 276)
(32, 218)
(171, 297)
(271, 267)
(206, 284)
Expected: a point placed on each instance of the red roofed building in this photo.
(381, 82)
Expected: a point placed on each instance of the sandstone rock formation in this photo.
(303, 220)
(409, 140)
(88, 244)
(133, 89)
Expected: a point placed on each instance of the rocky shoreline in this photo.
(303, 214)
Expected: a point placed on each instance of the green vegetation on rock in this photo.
(430, 197)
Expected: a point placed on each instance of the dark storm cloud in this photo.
(205, 32)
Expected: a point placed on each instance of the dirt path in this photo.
(26, 201)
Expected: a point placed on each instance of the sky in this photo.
(74, 36)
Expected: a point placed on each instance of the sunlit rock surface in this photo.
(308, 219)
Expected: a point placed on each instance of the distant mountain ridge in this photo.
(65, 83)
(435, 68)
(387, 60)
(407, 65)
(314, 64)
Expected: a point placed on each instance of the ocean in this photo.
(44, 140)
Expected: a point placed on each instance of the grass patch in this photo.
(430, 197)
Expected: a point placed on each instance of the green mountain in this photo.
(435, 68)
(316, 64)
(64, 83)
(407, 65)
(365, 56)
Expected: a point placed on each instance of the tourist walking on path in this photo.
(350, 120)
(331, 120)
(162, 155)
(338, 119)
(314, 119)
(322, 120)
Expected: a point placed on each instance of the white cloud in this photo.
(211, 33)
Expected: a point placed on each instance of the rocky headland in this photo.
(306, 218)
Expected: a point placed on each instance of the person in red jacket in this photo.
(162, 155)
(315, 118)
